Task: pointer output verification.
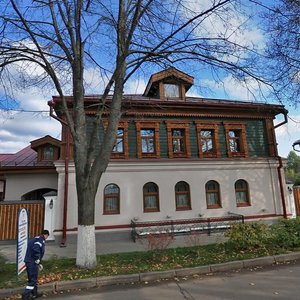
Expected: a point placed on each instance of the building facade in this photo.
(179, 157)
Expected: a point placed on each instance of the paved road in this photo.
(276, 282)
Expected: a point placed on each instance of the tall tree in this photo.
(292, 170)
(56, 41)
(293, 161)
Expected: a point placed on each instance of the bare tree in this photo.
(59, 39)
(282, 60)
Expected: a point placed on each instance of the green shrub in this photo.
(248, 236)
(286, 233)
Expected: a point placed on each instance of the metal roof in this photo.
(26, 157)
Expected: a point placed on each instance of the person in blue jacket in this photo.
(34, 254)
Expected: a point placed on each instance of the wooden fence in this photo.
(9, 215)
(296, 190)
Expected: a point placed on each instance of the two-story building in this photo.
(179, 157)
(175, 157)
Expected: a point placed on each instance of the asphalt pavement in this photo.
(268, 283)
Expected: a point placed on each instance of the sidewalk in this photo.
(106, 242)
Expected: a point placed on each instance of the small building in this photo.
(25, 177)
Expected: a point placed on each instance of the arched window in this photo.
(212, 190)
(242, 193)
(182, 196)
(111, 201)
(150, 195)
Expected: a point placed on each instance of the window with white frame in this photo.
(236, 139)
(178, 139)
(119, 144)
(148, 140)
(148, 143)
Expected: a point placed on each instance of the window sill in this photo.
(211, 155)
(118, 155)
(243, 205)
(183, 208)
(214, 206)
(237, 154)
(111, 213)
(148, 155)
(151, 210)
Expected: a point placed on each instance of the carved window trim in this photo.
(215, 139)
(186, 139)
(125, 153)
(141, 125)
(241, 129)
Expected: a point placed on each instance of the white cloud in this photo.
(247, 90)
(94, 81)
(18, 128)
(229, 22)
(137, 86)
(193, 93)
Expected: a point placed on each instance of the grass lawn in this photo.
(133, 262)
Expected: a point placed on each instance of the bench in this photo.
(183, 226)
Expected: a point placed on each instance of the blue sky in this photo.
(18, 128)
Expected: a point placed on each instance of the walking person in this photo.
(34, 254)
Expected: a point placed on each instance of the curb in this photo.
(69, 285)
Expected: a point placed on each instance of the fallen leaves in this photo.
(49, 278)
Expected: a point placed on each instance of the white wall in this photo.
(20, 184)
(261, 175)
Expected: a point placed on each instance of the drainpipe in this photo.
(66, 182)
(66, 190)
(279, 169)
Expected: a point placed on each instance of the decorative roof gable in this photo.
(171, 76)
(43, 141)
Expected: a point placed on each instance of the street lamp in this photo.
(297, 143)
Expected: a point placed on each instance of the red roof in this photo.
(26, 157)
(4, 156)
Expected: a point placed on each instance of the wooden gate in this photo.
(296, 190)
(9, 215)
